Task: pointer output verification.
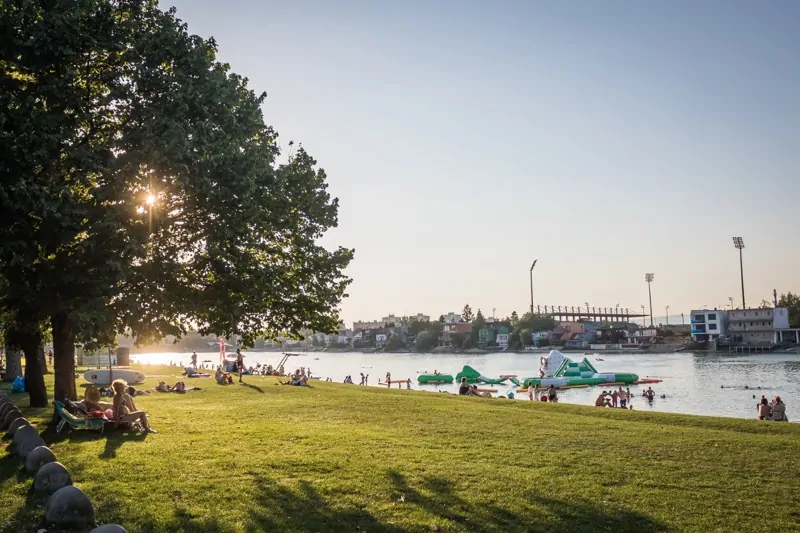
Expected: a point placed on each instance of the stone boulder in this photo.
(109, 528)
(6, 407)
(26, 439)
(69, 507)
(15, 425)
(8, 418)
(50, 478)
(39, 456)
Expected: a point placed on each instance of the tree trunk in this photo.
(43, 360)
(34, 378)
(13, 364)
(63, 357)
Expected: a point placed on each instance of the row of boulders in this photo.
(67, 506)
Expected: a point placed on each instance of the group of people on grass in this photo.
(774, 410)
(122, 410)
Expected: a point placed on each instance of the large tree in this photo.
(466, 314)
(792, 303)
(140, 191)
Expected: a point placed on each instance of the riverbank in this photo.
(334, 457)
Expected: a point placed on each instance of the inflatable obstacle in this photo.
(473, 376)
(562, 372)
(434, 379)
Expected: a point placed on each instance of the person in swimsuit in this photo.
(463, 388)
(125, 409)
(763, 409)
(531, 388)
(239, 363)
(623, 398)
(551, 394)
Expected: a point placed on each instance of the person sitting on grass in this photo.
(763, 409)
(222, 378)
(125, 409)
(464, 388)
(779, 410)
(91, 400)
(473, 391)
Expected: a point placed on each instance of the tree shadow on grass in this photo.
(254, 387)
(114, 437)
(108, 507)
(539, 513)
(304, 510)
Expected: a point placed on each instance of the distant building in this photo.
(367, 325)
(381, 339)
(486, 336)
(707, 325)
(756, 326)
(641, 335)
(391, 320)
(502, 337)
(452, 318)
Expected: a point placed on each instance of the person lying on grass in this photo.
(179, 387)
(473, 391)
(296, 380)
(125, 409)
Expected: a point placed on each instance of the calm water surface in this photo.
(692, 383)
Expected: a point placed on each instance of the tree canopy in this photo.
(466, 314)
(140, 191)
(792, 303)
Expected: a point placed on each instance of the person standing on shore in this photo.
(614, 398)
(531, 388)
(623, 398)
(362, 379)
(239, 363)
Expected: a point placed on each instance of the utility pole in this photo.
(649, 279)
(668, 315)
(738, 243)
(532, 267)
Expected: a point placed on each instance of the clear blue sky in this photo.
(607, 139)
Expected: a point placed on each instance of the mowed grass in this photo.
(344, 458)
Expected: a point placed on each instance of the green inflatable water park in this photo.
(434, 379)
(473, 376)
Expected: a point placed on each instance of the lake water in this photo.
(692, 382)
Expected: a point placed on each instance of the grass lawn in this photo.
(263, 457)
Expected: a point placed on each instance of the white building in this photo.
(502, 340)
(757, 326)
(707, 325)
(367, 325)
(452, 318)
(380, 339)
(391, 320)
